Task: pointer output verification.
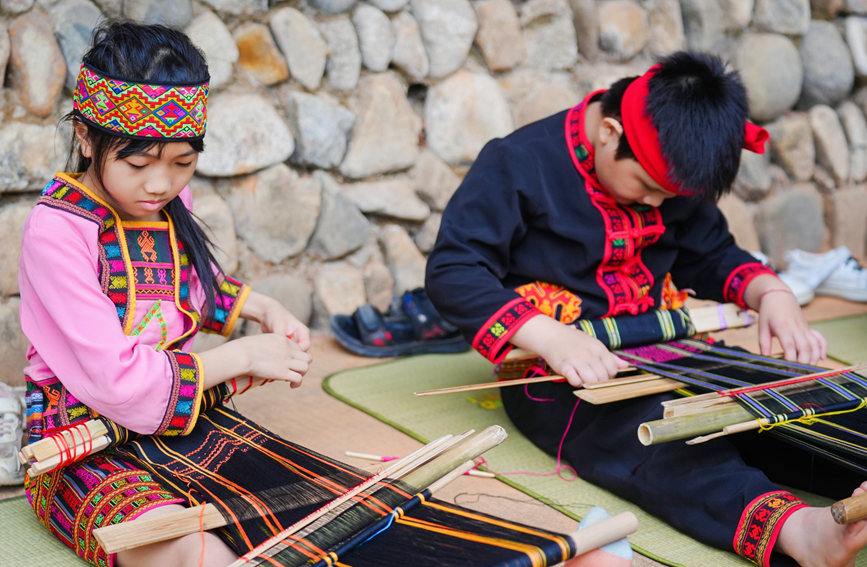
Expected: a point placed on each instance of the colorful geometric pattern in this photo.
(739, 279)
(492, 340)
(760, 525)
(102, 490)
(227, 306)
(555, 301)
(629, 229)
(151, 258)
(140, 110)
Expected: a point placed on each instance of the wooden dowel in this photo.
(48, 446)
(136, 533)
(604, 532)
(686, 426)
(730, 430)
(850, 509)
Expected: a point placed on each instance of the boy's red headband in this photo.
(644, 138)
(138, 110)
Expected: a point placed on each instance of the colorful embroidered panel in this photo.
(760, 525)
(153, 265)
(140, 110)
(738, 280)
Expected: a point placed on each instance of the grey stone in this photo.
(378, 284)
(623, 28)
(244, 8)
(385, 136)
(13, 343)
(405, 261)
(409, 55)
(344, 60)
(585, 19)
(666, 27)
(855, 126)
(739, 216)
(245, 134)
(259, 55)
(375, 37)
(111, 8)
(426, 236)
(332, 6)
(4, 51)
(462, 113)
(393, 197)
(771, 70)
(74, 21)
(12, 217)
(828, 69)
(856, 39)
(37, 69)
(15, 6)
(754, 178)
(791, 219)
(29, 155)
(302, 44)
(208, 32)
(341, 228)
(499, 36)
(275, 211)
(549, 34)
(704, 24)
(171, 13)
(790, 17)
(832, 151)
(321, 127)
(339, 289)
(848, 211)
(389, 5)
(448, 28)
(293, 291)
(434, 180)
(546, 100)
(792, 145)
(220, 228)
(741, 14)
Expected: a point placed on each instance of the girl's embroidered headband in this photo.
(644, 137)
(138, 110)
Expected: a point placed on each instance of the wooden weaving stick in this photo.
(129, 535)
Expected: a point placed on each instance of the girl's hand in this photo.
(273, 356)
(275, 318)
(575, 355)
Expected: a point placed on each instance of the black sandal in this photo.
(410, 326)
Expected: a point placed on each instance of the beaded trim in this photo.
(139, 110)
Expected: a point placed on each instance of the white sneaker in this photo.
(11, 432)
(812, 268)
(848, 281)
(803, 292)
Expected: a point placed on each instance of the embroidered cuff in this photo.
(737, 282)
(760, 525)
(492, 340)
(227, 307)
(186, 397)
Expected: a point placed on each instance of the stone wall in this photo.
(339, 128)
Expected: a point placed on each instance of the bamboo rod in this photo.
(604, 532)
(850, 509)
(537, 379)
(628, 391)
(686, 426)
(144, 531)
(731, 430)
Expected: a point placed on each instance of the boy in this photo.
(594, 212)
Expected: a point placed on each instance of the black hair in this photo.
(699, 110)
(153, 54)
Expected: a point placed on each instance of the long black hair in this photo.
(152, 54)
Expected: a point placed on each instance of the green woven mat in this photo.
(385, 391)
(24, 542)
(847, 338)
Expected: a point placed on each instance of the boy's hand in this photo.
(575, 355)
(780, 316)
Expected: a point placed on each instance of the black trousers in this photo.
(701, 490)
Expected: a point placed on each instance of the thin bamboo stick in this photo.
(850, 509)
(144, 531)
(535, 380)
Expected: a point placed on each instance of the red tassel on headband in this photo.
(644, 138)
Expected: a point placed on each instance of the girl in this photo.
(116, 279)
